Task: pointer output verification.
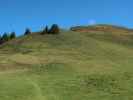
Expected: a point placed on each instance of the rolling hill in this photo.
(86, 63)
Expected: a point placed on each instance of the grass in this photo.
(68, 66)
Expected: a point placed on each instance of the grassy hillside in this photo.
(68, 66)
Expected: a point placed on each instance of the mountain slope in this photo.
(68, 66)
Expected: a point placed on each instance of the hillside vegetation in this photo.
(72, 65)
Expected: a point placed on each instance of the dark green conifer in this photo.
(54, 29)
(12, 35)
(45, 31)
(27, 31)
(5, 37)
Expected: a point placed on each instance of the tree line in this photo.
(9, 36)
(6, 37)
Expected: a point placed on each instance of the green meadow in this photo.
(68, 66)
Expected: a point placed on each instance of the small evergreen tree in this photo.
(5, 37)
(1, 39)
(12, 35)
(54, 29)
(45, 31)
(27, 32)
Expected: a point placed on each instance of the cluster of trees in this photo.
(53, 30)
(27, 31)
(6, 37)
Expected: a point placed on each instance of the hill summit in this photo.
(102, 28)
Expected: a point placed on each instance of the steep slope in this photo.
(67, 66)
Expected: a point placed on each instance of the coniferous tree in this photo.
(45, 31)
(5, 37)
(1, 39)
(27, 32)
(12, 35)
(54, 29)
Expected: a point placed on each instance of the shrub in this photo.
(54, 29)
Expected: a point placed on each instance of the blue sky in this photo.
(16, 15)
